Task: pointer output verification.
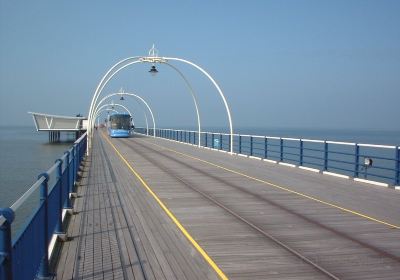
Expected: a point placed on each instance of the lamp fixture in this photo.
(153, 70)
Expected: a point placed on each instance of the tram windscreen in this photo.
(120, 122)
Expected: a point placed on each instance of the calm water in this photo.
(25, 153)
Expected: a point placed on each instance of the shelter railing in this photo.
(27, 255)
(379, 163)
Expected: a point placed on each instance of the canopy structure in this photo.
(47, 122)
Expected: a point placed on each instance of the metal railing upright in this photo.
(355, 160)
(26, 255)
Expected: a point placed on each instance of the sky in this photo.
(281, 64)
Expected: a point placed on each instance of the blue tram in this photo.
(119, 125)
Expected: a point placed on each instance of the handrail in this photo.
(26, 195)
(53, 199)
(325, 154)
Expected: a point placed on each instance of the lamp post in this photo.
(152, 58)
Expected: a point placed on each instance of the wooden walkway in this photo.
(154, 209)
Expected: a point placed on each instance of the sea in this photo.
(26, 153)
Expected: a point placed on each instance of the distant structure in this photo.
(55, 124)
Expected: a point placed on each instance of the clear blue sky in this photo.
(296, 64)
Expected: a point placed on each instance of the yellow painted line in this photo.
(280, 187)
(169, 213)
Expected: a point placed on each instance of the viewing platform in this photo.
(149, 208)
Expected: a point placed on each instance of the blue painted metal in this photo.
(356, 161)
(325, 156)
(265, 147)
(68, 171)
(397, 171)
(29, 250)
(5, 244)
(59, 228)
(44, 265)
(301, 153)
(251, 145)
(315, 154)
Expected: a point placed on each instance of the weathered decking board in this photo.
(118, 232)
(345, 244)
(118, 219)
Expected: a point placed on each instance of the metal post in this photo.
(325, 156)
(194, 137)
(229, 141)
(265, 147)
(206, 140)
(5, 243)
(190, 140)
(75, 166)
(251, 145)
(67, 202)
(212, 140)
(44, 265)
(220, 141)
(301, 152)
(281, 149)
(356, 160)
(397, 176)
(240, 144)
(59, 228)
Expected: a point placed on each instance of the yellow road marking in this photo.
(169, 213)
(280, 187)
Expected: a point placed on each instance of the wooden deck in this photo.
(235, 217)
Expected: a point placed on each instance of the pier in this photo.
(178, 204)
(154, 208)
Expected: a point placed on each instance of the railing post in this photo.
(220, 141)
(67, 202)
(44, 265)
(281, 148)
(240, 144)
(356, 160)
(5, 243)
(212, 140)
(301, 152)
(194, 137)
(397, 175)
(265, 147)
(75, 166)
(229, 140)
(59, 229)
(251, 145)
(325, 156)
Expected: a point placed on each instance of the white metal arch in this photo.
(152, 59)
(114, 104)
(102, 111)
(137, 97)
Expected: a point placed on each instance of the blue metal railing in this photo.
(338, 157)
(26, 256)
